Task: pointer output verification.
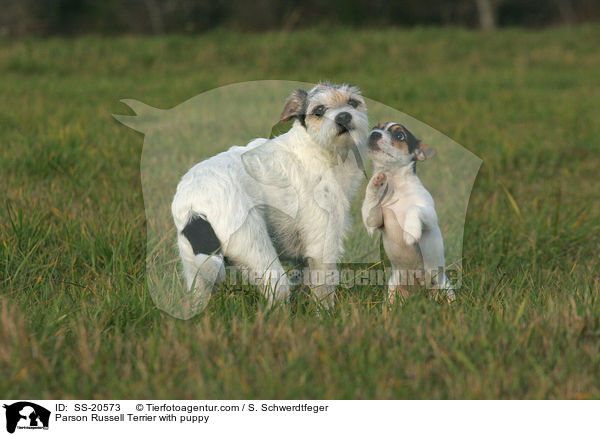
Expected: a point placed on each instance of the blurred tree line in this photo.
(72, 17)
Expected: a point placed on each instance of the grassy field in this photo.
(76, 317)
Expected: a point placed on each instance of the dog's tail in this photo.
(201, 255)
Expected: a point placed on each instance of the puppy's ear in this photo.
(295, 106)
(424, 152)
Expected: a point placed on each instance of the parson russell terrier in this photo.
(288, 196)
(397, 204)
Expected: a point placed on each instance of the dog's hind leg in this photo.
(200, 252)
(323, 280)
(432, 250)
(251, 247)
(398, 288)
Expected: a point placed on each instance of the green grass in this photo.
(76, 317)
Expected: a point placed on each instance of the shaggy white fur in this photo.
(289, 195)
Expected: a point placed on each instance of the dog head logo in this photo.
(333, 117)
(26, 415)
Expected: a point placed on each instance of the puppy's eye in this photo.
(399, 136)
(353, 103)
(319, 110)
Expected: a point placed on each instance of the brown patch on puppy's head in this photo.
(404, 140)
(400, 139)
(393, 142)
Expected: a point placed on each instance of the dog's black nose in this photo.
(343, 119)
(373, 138)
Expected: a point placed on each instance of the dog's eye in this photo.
(319, 110)
(353, 103)
(399, 136)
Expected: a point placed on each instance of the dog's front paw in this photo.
(276, 287)
(410, 238)
(412, 230)
(378, 180)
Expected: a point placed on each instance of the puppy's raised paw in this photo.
(413, 228)
(378, 180)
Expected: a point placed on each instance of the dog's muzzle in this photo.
(344, 122)
(373, 140)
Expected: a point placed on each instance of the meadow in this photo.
(77, 319)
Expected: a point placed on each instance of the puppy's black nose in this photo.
(343, 119)
(373, 138)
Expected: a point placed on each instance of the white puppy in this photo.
(398, 204)
(287, 196)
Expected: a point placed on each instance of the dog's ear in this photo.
(295, 106)
(424, 152)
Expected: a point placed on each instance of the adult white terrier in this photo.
(397, 204)
(287, 196)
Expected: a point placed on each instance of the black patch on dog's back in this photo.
(202, 237)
